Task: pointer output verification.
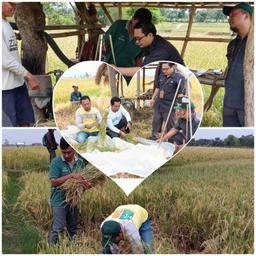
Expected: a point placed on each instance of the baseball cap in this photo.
(184, 106)
(245, 6)
(110, 229)
(75, 85)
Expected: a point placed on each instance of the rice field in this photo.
(199, 55)
(200, 202)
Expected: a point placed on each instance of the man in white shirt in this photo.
(118, 120)
(16, 105)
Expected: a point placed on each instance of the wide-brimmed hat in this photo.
(110, 230)
(245, 6)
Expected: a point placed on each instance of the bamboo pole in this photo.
(120, 14)
(249, 78)
(106, 12)
(191, 17)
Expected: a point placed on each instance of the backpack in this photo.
(44, 140)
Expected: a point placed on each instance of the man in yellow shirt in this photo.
(88, 119)
(128, 222)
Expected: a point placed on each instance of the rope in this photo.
(53, 45)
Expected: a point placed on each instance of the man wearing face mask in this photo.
(240, 17)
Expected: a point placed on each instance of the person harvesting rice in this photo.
(63, 168)
(128, 222)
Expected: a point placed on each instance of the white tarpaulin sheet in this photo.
(141, 159)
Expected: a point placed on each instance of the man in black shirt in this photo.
(233, 108)
(155, 48)
(163, 97)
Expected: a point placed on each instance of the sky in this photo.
(34, 135)
(89, 67)
(27, 135)
(222, 133)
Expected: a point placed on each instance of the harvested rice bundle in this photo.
(74, 188)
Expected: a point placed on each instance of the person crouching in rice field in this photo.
(128, 222)
(118, 120)
(88, 119)
(180, 134)
(62, 169)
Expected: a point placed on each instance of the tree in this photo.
(231, 141)
(157, 17)
(59, 13)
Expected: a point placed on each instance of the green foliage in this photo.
(156, 14)
(211, 15)
(58, 13)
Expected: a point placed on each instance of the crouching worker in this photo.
(180, 134)
(128, 222)
(63, 168)
(118, 120)
(88, 119)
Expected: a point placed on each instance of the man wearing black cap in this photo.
(240, 17)
(180, 134)
(127, 222)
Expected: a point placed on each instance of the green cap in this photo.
(184, 106)
(245, 6)
(110, 229)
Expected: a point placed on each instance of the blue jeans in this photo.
(83, 136)
(146, 236)
(63, 216)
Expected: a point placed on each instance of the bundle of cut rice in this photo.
(74, 188)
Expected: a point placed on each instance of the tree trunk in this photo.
(30, 20)
(248, 78)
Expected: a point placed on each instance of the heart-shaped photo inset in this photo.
(127, 131)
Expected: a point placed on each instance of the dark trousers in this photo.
(158, 119)
(52, 153)
(63, 216)
(233, 117)
(16, 107)
(122, 124)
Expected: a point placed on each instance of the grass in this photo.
(19, 234)
(205, 204)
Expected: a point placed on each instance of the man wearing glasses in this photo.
(155, 48)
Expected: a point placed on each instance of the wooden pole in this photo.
(106, 12)
(249, 78)
(191, 17)
(120, 11)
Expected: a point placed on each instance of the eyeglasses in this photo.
(138, 39)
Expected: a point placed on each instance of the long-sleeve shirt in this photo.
(13, 72)
(161, 49)
(88, 117)
(115, 117)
